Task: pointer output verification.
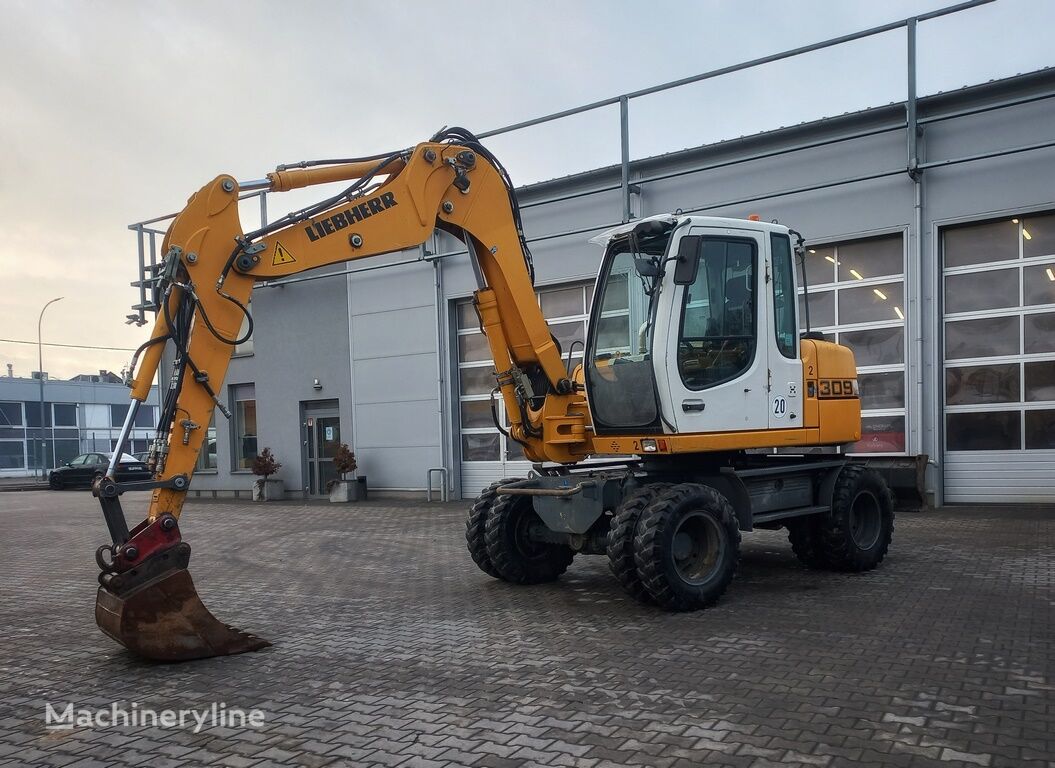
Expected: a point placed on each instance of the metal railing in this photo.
(147, 234)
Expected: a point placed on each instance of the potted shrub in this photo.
(346, 489)
(266, 489)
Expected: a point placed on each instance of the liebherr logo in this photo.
(120, 714)
(338, 221)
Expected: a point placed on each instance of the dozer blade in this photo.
(164, 620)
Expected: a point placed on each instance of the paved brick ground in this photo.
(392, 649)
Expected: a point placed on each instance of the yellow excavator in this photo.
(693, 373)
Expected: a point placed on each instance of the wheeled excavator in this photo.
(693, 375)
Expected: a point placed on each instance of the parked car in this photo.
(142, 456)
(82, 470)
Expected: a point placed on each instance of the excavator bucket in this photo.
(165, 620)
(147, 601)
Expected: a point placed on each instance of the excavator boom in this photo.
(146, 599)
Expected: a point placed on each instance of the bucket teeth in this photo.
(165, 620)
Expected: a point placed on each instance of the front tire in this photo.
(54, 482)
(687, 547)
(516, 554)
(620, 545)
(855, 535)
(476, 527)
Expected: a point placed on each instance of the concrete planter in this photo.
(269, 490)
(343, 491)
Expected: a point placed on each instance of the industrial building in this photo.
(81, 415)
(931, 233)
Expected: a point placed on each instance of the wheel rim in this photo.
(525, 543)
(697, 548)
(866, 520)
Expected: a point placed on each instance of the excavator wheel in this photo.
(515, 552)
(621, 539)
(855, 535)
(476, 527)
(687, 547)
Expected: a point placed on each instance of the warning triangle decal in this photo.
(282, 256)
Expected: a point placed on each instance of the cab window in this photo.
(717, 337)
(784, 325)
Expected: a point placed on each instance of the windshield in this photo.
(619, 370)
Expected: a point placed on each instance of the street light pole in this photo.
(40, 376)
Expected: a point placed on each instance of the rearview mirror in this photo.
(688, 260)
(646, 267)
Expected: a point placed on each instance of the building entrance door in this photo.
(321, 436)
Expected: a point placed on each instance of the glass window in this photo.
(12, 454)
(619, 369)
(33, 414)
(467, 319)
(822, 309)
(65, 450)
(987, 337)
(145, 416)
(717, 339)
(244, 427)
(879, 346)
(875, 257)
(11, 414)
(873, 303)
(476, 413)
(65, 414)
(1038, 284)
(981, 243)
(881, 434)
(882, 390)
(993, 289)
(820, 265)
(562, 302)
(472, 347)
(1040, 333)
(82, 459)
(246, 347)
(784, 324)
(117, 415)
(992, 431)
(207, 454)
(568, 333)
(976, 384)
(480, 447)
(477, 381)
(1040, 429)
(1040, 381)
(514, 451)
(1041, 239)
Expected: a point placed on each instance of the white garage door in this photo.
(486, 454)
(999, 300)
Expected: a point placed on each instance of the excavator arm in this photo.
(146, 599)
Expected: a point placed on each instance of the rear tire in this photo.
(515, 554)
(856, 534)
(476, 527)
(804, 533)
(687, 547)
(621, 539)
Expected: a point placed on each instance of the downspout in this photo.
(441, 379)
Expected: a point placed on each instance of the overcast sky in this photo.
(113, 112)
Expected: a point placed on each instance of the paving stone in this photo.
(392, 649)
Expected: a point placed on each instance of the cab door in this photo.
(715, 362)
(785, 365)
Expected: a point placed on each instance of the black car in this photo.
(82, 470)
